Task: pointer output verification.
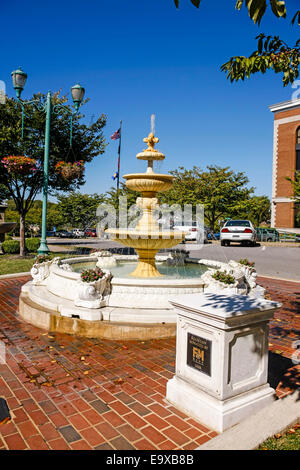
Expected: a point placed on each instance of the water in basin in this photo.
(124, 268)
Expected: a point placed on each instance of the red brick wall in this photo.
(286, 166)
(284, 215)
(286, 157)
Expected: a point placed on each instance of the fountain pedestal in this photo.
(221, 357)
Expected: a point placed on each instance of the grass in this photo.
(289, 440)
(10, 264)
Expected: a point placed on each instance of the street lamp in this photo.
(19, 79)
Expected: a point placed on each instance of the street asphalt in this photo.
(271, 261)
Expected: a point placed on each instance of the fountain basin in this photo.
(148, 182)
(126, 292)
(132, 308)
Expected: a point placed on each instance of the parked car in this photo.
(213, 236)
(193, 231)
(267, 234)
(77, 233)
(64, 234)
(241, 231)
(90, 232)
(50, 233)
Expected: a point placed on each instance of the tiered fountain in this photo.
(146, 238)
(125, 304)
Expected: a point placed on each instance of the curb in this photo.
(277, 278)
(253, 431)
(8, 276)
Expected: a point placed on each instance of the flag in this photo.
(116, 135)
(115, 175)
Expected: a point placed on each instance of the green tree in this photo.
(78, 210)
(256, 208)
(112, 196)
(272, 53)
(88, 142)
(222, 191)
(296, 186)
(34, 215)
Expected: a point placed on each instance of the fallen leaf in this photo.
(46, 384)
(119, 381)
(86, 372)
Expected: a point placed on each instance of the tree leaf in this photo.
(278, 8)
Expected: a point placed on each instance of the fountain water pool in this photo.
(123, 269)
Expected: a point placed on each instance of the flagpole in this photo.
(119, 155)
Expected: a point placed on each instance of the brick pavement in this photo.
(66, 392)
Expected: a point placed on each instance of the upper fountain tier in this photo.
(149, 182)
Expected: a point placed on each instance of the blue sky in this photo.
(138, 57)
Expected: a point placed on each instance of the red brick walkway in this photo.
(77, 393)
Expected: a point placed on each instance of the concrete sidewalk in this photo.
(248, 435)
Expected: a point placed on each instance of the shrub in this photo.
(90, 275)
(222, 276)
(11, 246)
(32, 244)
(8, 237)
(246, 262)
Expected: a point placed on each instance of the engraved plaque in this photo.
(199, 353)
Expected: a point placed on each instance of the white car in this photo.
(77, 233)
(193, 231)
(241, 231)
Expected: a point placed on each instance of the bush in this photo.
(11, 246)
(32, 244)
(222, 276)
(8, 237)
(246, 262)
(90, 275)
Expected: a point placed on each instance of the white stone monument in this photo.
(221, 357)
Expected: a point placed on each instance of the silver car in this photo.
(241, 231)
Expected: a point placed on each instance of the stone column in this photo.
(221, 357)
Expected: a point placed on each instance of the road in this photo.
(274, 261)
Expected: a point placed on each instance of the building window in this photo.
(297, 160)
(298, 136)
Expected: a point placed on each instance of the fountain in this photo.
(131, 301)
(146, 238)
(5, 227)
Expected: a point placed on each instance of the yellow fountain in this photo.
(146, 238)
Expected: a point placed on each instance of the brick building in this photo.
(286, 161)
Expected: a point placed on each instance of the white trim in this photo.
(282, 199)
(284, 105)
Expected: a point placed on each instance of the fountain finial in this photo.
(151, 141)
